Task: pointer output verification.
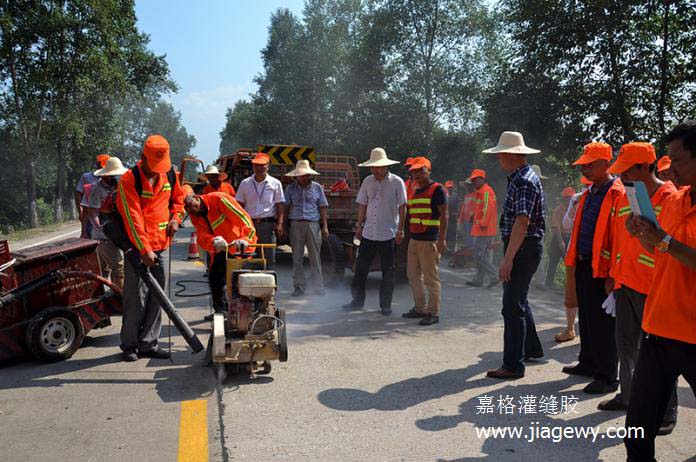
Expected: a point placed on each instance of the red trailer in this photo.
(51, 296)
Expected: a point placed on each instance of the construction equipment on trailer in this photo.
(51, 296)
(253, 332)
(340, 178)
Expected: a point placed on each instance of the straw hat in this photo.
(112, 167)
(302, 168)
(511, 142)
(537, 170)
(212, 170)
(378, 158)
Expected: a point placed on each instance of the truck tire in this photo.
(54, 334)
(333, 261)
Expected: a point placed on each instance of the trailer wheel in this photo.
(282, 337)
(54, 334)
(333, 261)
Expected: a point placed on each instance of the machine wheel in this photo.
(282, 337)
(266, 369)
(333, 261)
(54, 334)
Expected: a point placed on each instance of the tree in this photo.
(166, 121)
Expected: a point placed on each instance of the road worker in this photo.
(664, 170)
(453, 202)
(83, 185)
(483, 229)
(150, 201)
(465, 219)
(216, 181)
(559, 238)
(590, 253)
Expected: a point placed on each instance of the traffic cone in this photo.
(193, 248)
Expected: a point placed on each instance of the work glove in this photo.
(609, 305)
(219, 244)
(241, 245)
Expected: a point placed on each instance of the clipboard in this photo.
(639, 200)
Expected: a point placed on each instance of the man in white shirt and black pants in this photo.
(381, 215)
(262, 197)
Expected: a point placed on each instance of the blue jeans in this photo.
(520, 337)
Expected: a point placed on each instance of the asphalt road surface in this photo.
(357, 386)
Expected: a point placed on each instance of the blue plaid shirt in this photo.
(525, 196)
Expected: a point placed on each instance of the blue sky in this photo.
(213, 48)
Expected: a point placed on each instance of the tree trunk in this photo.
(664, 69)
(30, 177)
(60, 185)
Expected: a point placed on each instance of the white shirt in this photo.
(382, 199)
(260, 199)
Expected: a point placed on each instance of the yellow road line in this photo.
(193, 431)
(198, 263)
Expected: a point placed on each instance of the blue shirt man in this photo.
(305, 202)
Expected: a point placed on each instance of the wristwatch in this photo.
(663, 245)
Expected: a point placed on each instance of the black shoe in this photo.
(414, 314)
(579, 369)
(157, 353)
(297, 292)
(492, 284)
(209, 317)
(429, 320)
(129, 356)
(504, 374)
(666, 428)
(474, 283)
(599, 387)
(386, 311)
(534, 356)
(612, 405)
(353, 305)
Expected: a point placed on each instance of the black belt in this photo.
(264, 220)
(305, 221)
(584, 257)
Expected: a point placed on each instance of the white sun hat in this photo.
(212, 170)
(537, 170)
(302, 168)
(513, 143)
(378, 158)
(112, 167)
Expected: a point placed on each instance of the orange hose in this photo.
(90, 275)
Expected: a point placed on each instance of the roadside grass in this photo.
(29, 233)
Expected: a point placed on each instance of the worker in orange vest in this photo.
(633, 269)
(453, 202)
(84, 184)
(590, 253)
(668, 348)
(483, 229)
(150, 200)
(664, 170)
(216, 181)
(219, 221)
(409, 183)
(428, 219)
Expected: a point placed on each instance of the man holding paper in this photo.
(633, 268)
(668, 348)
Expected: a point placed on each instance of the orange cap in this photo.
(594, 151)
(409, 161)
(102, 158)
(449, 184)
(664, 163)
(476, 173)
(419, 163)
(261, 159)
(632, 154)
(585, 181)
(156, 151)
(568, 192)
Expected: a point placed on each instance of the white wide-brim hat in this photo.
(378, 158)
(537, 170)
(302, 168)
(112, 167)
(513, 143)
(212, 170)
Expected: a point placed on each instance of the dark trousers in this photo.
(367, 252)
(217, 274)
(520, 337)
(265, 233)
(660, 362)
(555, 254)
(597, 328)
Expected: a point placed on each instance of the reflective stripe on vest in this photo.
(218, 222)
(420, 210)
(646, 260)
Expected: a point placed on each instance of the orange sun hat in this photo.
(409, 161)
(477, 173)
(102, 158)
(594, 151)
(156, 151)
(419, 163)
(261, 159)
(632, 154)
(664, 163)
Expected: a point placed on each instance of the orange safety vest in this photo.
(670, 309)
(633, 266)
(146, 215)
(466, 210)
(224, 187)
(603, 233)
(420, 209)
(226, 218)
(485, 212)
(410, 186)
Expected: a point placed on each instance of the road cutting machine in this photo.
(252, 332)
